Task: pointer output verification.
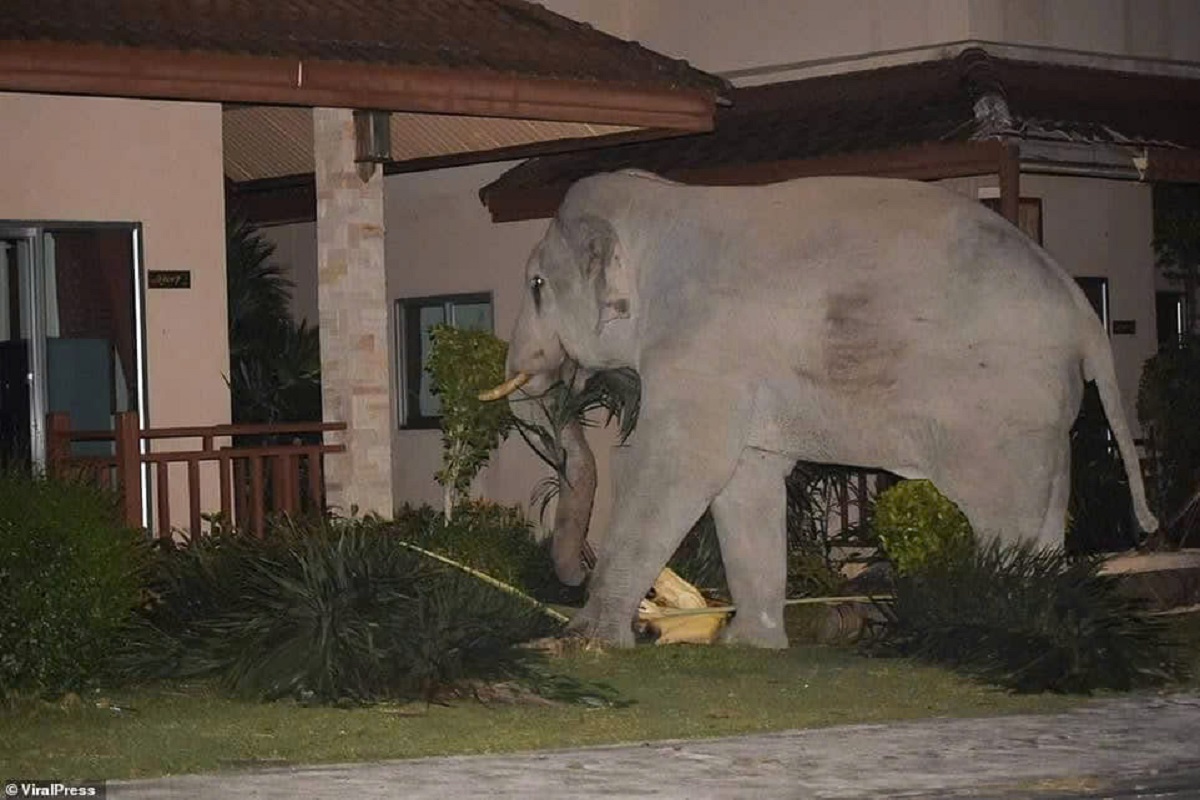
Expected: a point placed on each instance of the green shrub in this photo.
(918, 526)
(329, 612)
(463, 363)
(494, 539)
(70, 576)
(1029, 620)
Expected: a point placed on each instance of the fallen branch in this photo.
(488, 579)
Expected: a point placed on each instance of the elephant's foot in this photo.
(605, 629)
(756, 630)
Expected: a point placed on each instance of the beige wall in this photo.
(159, 164)
(720, 36)
(754, 41)
(100, 159)
(1167, 29)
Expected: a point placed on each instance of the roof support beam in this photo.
(1010, 184)
(57, 67)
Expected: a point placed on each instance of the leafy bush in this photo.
(917, 526)
(332, 612)
(463, 363)
(1029, 620)
(70, 576)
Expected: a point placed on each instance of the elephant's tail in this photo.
(1098, 367)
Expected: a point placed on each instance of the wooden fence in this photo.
(262, 470)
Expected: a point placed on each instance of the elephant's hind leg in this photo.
(1015, 490)
(1054, 524)
(751, 517)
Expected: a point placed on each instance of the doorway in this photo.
(71, 339)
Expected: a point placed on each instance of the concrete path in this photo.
(1131, 747)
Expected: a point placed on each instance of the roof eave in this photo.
(117, 71)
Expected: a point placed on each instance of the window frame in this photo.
(409, 366)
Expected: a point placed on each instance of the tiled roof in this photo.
(895, 107)
(509, 37)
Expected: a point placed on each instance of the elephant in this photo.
(872, 322)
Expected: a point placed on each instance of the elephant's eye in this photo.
(535, 286)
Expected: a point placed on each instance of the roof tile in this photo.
(511, 37)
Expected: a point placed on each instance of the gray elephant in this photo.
(879, 323)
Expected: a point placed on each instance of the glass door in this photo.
(69, 333)
(17, 256)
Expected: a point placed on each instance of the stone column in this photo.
(352, 303)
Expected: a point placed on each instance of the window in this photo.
(1096, 290)
(419, 408)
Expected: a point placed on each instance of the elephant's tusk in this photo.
(505, 389)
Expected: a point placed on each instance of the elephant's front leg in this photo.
(664, 480)
(751, 518)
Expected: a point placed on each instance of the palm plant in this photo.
(274, 363)
(328, 611)
(1030, 620)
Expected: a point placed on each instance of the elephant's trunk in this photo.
(576, 493)
(577, 483)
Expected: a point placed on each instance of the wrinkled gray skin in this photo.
(859, 321)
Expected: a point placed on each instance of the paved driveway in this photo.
(1145, 746)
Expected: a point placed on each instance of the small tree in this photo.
(463, 363)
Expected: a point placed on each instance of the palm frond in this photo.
(1030, 620)
(617, 391)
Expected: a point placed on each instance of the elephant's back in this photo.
(858, 277)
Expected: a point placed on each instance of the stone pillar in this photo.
(352, 303)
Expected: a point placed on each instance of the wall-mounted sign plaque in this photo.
(169, 278)
(1124, 327)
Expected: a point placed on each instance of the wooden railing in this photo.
(281, 473)
(840, 498)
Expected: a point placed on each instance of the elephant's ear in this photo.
(604, 266)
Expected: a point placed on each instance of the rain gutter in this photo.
(119, 71)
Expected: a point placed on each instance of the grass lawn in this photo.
(673, 692)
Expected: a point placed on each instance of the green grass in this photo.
(676, 692)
